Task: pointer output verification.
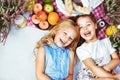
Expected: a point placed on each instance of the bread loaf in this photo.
(68, 6)
(80, 9)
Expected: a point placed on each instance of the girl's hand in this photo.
(108, 70)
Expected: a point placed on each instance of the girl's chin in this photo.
(59, 45)
(87, 38)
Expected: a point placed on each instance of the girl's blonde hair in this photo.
(49, 39)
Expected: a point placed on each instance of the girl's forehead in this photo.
(67, 29)
(84, 20)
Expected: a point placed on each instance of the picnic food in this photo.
(111, 30)
(31, 5)
(68, 6)
(53, 18)
(34, 20)
(48, 8)
(43, 25)
(81, 9)
(44, 15)
(41, 16)
(37, 7)
(71, 5)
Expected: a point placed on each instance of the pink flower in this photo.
(6, 15)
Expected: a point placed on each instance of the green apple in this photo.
(47, 1)
(48, 8)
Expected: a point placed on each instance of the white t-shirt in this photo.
(99, 51)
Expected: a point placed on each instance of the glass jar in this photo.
(20, 21)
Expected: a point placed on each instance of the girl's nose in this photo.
(66, 38)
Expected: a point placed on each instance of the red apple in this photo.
(37, 7)
(41, 16)
(44, 25)
(48, 8)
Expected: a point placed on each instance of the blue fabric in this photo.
(117, 70)
(57, 62)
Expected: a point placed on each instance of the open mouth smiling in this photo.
(88, 33)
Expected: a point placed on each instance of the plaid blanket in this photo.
(98, 13)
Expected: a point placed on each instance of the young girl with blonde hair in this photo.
(56, 51)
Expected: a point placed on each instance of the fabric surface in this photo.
(57, 62)
(17, 60)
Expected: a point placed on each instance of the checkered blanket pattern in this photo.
(98, 13)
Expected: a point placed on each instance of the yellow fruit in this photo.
(53, 18)
(111, 30)
(31, 5)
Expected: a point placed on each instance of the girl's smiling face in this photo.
(65, 36)
(87, 28)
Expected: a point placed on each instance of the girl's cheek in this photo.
(81, 31)
(92, 27)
